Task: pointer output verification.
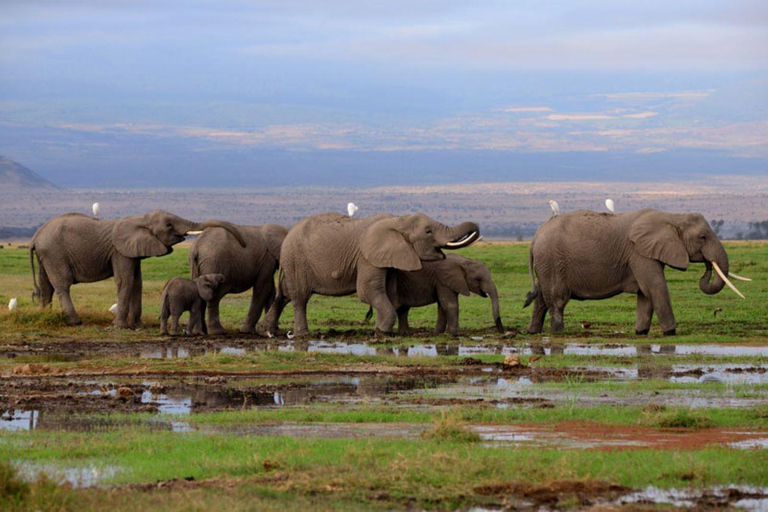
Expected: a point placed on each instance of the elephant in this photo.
(217, 251)
(441, 281)
(75, 248)
(586, 255)
(332, 254)
(180, 295)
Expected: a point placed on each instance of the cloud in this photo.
(579, 117)
(641, 115)
(512, 110)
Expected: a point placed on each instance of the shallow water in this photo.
(76, 476)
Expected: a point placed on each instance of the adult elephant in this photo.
(585, 255)
(216, 251)
(332, 254)
(442, 282)
(75, 248)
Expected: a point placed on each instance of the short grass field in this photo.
(94, 418)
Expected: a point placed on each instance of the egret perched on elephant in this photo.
(585, 255)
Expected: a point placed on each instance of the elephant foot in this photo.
(248, 330)
(217, 331)
(642, 332)
(671, 332)
(382, 335)
(173, 333)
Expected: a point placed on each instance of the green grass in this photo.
(611, 319)
(420, 473)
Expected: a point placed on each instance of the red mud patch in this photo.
(551, 493)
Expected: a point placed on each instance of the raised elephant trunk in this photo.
(196, 228)
(463, 235)
(494, 294)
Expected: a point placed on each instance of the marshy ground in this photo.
(92, 418)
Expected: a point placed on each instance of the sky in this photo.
(241, 93)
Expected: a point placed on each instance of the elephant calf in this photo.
(441, 281)
(180, 295)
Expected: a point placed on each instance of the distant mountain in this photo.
(16, 176)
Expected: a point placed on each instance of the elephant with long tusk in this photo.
(75, 248)
(586, 255)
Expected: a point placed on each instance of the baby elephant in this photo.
(180, 295)
(441, 281)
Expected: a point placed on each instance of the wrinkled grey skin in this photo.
(442, 282)
(254, 266)
(332, 254)
(75, 248)
(180, 295)
(585, 255)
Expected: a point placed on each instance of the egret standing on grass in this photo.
(12, 305)
(113, 308)
(555, 208)
(351, 209)
(95, 210)
(609, 204)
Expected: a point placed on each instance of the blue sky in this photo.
(87, 85)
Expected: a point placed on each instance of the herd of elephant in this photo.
(393, 263)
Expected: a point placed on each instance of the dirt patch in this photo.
(587, 492)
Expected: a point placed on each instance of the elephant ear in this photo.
(453, 275)
(384, 246)
(274, 235)
(133, 239)
(206, 284)
(656, 237)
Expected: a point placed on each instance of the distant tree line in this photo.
(757, 231)
(10, 232)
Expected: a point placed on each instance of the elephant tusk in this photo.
(731, 274)
(722, 276)
(194, 232)
(462, 242)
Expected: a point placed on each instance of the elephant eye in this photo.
(429, 231)
(703, 237)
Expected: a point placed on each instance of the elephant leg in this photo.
(62, 284)
(214, 322)
(259, 301)
(556, 323)
(440, 323)
(123, 269)
(300, 326)
(448, 302)
(536, 325)
(203, 324)
(402, 321)
(194, 327)
(46, 289)
(644, 314)
(654, 286)
(372, 289)
(174, 330)
(165, 312)
(134, 306)
(66, 305)
(272, 318)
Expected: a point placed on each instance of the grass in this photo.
(422, 473)
(611, 319)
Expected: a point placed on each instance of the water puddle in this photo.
(742, 497)
(76, 476)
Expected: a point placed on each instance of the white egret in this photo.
(351, 209)
(12, 305)
(609, 204)
(95, 210)
(555, 208)
(113, 308)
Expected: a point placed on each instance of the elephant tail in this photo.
(531, 295)
(35, 287)
(165, 308)
(369, 314)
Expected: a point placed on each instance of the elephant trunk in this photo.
(494, 295)
(195, 228)
(718, 255)
(463, 235)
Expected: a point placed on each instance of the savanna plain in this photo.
(94, 418)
